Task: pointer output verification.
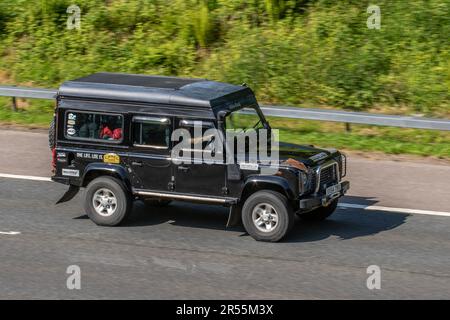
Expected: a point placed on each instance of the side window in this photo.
(204, 140)
(151, 132)
(93, 126)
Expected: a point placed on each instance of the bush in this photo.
(318, 53)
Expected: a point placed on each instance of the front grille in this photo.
(328, 177)
(312, 180)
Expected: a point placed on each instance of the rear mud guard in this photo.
(234, 217)
(69, 194)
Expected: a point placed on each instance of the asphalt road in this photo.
(184, 251)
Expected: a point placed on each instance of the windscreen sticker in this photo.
(71, 131)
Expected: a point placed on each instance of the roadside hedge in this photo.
(300, 52)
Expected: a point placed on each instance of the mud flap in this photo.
(72, 192)
(234, 217)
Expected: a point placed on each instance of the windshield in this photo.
(243, 122)
(245, 119)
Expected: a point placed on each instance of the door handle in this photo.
(184, 169)
(137, 163)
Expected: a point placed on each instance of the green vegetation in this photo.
(302, 52)
(38, 114)
(366, 138)
(361, 137)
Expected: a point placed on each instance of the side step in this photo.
(184, 197)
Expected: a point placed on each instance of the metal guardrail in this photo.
(23, 92)
(357, 117)
(284, 112)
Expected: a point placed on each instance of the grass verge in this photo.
(325, 134)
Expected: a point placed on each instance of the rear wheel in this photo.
(267, 216)
(321, 213)
(107, 202)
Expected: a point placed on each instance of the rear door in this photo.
(150, 160)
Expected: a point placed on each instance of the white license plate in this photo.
(333, 189)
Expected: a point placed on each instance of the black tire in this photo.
(51, 134)
(321, 213)
(157, 202)
(123, 201)
(283, 210)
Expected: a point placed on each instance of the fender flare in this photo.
(265, 182)
(115, 170)
(109, 169)
(261, 183)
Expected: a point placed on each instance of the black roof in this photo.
(159, 90)
(138, 80)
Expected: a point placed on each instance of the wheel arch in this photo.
(95, 170)
(273, 183)
(255, 184)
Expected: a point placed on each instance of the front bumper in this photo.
(315, 201)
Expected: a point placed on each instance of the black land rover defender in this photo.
(112, 135)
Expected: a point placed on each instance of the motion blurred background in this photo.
(306, 53)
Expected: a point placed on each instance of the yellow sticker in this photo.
(111, 158)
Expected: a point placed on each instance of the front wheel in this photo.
(107, 202)
(321, 213)
(267, 216)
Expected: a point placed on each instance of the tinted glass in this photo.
(151, 134)
(93, 126)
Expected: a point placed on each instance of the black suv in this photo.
(113, 135)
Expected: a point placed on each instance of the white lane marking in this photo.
(342, 205)
(397, 210)
(10, 233)
(15, 176)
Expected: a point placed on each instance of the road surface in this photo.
(184, 251)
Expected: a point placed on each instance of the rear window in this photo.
(93, 126)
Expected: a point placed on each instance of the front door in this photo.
(195, 176)
(150, 160)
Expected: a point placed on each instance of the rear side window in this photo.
(151, 132)
(93, 126)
